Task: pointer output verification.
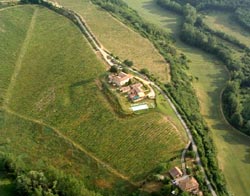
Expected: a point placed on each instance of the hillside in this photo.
(50, 88)
(212, 77)
(119, 39)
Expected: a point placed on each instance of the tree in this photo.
(34, 182)
(166, 190)
(113, 69)
(128, 63)
(248, 127)
(246, 110)
(144, 71)
(237, 120)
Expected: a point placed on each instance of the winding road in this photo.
(105, 56)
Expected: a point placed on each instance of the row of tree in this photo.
(239, 8)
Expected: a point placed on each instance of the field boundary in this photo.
(9, 7)
(18, 64)
(77, 146)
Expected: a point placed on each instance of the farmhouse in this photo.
(136, 93)
(189, 184)
(119, 79)
(175, 172)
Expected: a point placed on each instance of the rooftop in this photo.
(175, 172)
(188, 184)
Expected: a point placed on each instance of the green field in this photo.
(119, 39)
(233, 147)
(55, 113)
(221, 21)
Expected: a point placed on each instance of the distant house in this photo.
(189, 184)
(125, 89)
(120, 79)
(175, 172)
(136, 93)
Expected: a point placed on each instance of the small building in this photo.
(175, 172)
(136, 93)
(151, 95)
(189, 184)
(125, 89)
(120, 79)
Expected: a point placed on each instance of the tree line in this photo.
(196, 33)
(239, 8)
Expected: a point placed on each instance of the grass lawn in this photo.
(15, 34)
(119, 39)
(52, 86)
(233, 147)
(221, 21)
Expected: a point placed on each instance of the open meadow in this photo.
(233, 147)
(222, 21)
(119, 39)
(54, 112)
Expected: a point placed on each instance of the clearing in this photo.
(233, 147)
(221, 21)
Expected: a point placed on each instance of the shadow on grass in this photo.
(170, 19)
(233, 138)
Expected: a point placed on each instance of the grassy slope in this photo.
(119, 39)
(233, 148)
(221, 21)
(15, 35)
(57, 84)
(30, 141)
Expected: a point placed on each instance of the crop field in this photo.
(221, 21)
(54, 112)
(233, 147)
(119, 39)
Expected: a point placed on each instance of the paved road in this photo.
(105, 56)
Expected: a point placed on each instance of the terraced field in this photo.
(221, 21)
(119, 39)
(233, 147)
(49, 113)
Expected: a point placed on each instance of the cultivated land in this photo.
(221, 21)
(55, 113)
(119, 39)
(233, 147)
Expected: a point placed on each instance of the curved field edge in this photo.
(120, 39)
(56, 86)
(221, 21)
(232, 146)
